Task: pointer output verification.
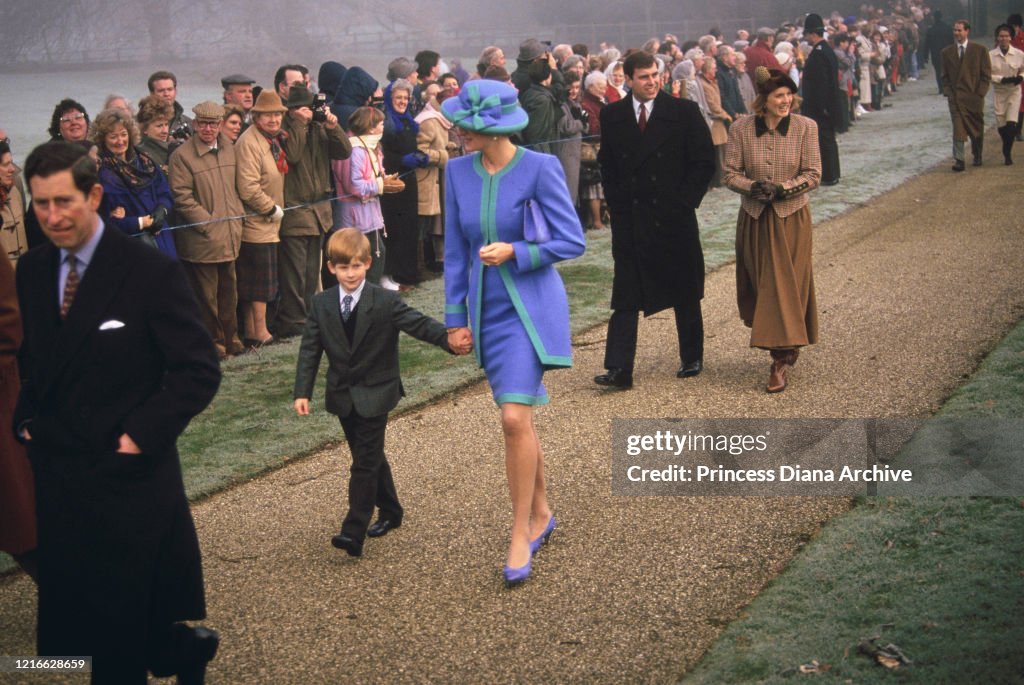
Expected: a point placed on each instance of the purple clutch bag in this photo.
(535, 226)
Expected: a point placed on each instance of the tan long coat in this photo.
(260, 185)
(432, 140)
(965, 83)
(203, 185)
(719, 133)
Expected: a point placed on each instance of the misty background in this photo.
(87, 49)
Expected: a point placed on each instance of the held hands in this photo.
(125, 445)
(301, 406)
(765, 191)
(460, 341)
(496, 254)
(117, 213)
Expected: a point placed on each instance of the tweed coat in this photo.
(654, 182)
(260, 185)
(117, 547)
(965, 83)
(203, 185)
(1006, 97)
(788, 156)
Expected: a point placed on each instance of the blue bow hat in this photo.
(485, 106)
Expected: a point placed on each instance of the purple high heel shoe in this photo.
(542, 539)
(515, 576)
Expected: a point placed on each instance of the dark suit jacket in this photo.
(820, 87)
(362, 374)
(117, 547)
(654, 182)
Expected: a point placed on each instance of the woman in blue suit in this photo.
(509, 219)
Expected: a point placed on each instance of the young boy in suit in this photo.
(357, 325)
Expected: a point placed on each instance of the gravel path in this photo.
(914, 289)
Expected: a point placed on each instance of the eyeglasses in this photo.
(77, 116)
(207, 124)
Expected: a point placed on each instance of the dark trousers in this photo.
(371, 483)
(216, 290)
(298, 268)
(829, 151)
(620, 346)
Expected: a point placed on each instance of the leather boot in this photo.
(1007, 134)
(782, 362)
(976, 144)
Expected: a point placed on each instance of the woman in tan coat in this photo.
(772, 161)
(261, 164)
(432, 140)
(720, 119)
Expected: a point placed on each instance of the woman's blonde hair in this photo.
(152, 108)
(106, 121)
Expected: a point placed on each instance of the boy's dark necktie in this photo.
(346, 307)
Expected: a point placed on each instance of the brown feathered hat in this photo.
(769, 80)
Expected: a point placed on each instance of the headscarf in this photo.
(399, 122)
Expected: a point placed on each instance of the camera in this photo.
(182, 132)
(319, 107)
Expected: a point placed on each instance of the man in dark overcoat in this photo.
(820, 88)
(966, 74)
(656, 161)
(115, 363)
(940, 35)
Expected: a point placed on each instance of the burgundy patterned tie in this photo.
(642, 123)
(70, 286)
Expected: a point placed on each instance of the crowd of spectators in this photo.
(311, 156)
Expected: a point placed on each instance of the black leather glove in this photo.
(1012, 80)
(762, 191)
(159, 220)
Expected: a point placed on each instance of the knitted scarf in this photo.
(277, 148)
(136, 170)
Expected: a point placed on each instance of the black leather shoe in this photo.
(381, 527)
(349, 544)
(690, 369)
(615, 378)
(200, 651)
(959, 165)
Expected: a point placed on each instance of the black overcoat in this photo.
(820, 87)
(653, 183)
(118, 551)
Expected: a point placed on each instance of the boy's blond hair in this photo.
(348, 244)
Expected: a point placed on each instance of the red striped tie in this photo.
(70, 286)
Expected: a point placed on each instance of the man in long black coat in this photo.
(940, 35)
(115, 363)
(821, 102)
(656, 161)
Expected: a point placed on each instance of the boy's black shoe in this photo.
(349, 544)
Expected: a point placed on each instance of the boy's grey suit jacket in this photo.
(362, 374)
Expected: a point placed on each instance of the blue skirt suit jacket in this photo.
(483, 208)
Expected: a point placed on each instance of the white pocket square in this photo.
(111, 325)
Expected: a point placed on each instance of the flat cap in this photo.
(236, 79)
(208, 110)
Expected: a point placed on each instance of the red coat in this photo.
(17, 500)
(760, 55)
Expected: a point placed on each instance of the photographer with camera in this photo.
(313, 140)
(164, 85)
